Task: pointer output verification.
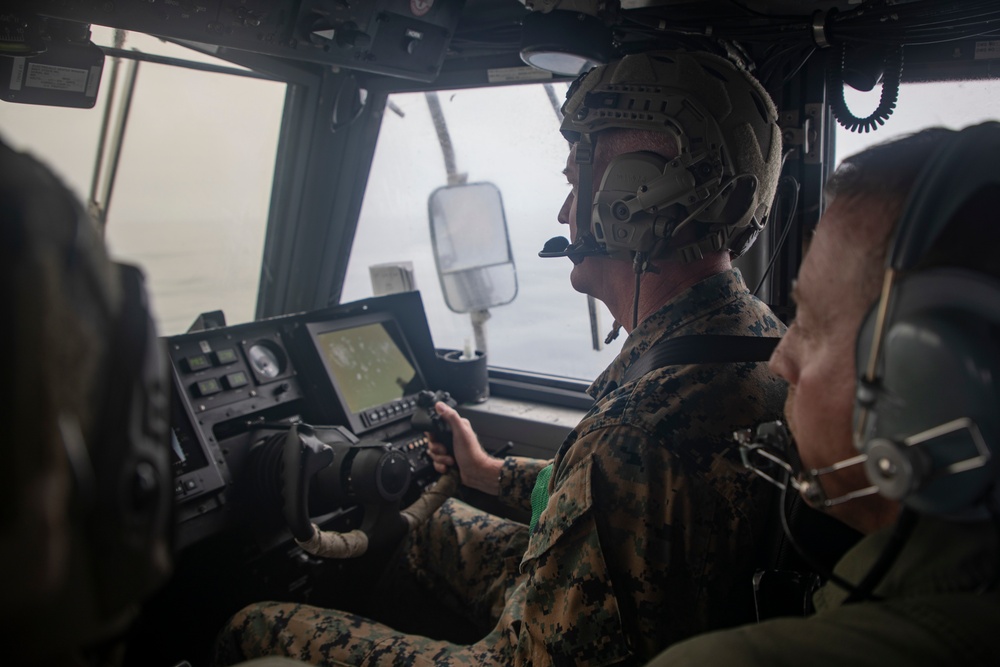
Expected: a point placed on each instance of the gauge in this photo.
(267, 360)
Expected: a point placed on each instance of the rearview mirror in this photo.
(471, 247)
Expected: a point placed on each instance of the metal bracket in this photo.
(806, 134)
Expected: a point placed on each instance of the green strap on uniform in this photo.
(540, 495)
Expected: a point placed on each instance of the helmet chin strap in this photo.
(584, 159)
(585, 245)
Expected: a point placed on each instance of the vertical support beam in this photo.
(808, 129)
(319, 183)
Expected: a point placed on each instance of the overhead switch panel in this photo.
(404, 38)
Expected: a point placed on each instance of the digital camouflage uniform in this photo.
(933, 611)
(648, 532)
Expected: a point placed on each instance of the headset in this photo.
(127, 502)
(927, 410)
(645, 199)
(132, 526)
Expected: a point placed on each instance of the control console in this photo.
(357, 367)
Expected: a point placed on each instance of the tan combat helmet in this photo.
(721, 182)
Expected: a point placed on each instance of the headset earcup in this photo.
(619, 231)
(132, 462)
(939, 363)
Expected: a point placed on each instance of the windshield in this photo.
(508, 136)
(948, 104)
(193, 186)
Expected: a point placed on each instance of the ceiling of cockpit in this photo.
(415, 39)
(492, 26)
(765, 28)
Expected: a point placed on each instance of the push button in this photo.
(207, 387)
(225, 356)
(235, 380)
(196, 363)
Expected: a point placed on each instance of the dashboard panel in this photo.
(358, 366)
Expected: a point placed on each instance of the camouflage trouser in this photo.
(468, 558)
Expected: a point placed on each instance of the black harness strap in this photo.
(703, 349)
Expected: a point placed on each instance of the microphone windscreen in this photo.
(556, 244)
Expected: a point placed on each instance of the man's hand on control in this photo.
(478, 469)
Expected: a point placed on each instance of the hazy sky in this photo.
(193, 186)
(921, 105)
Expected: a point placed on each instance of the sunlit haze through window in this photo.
(191, 197)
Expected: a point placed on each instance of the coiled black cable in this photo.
(787, 227)
(891, 77)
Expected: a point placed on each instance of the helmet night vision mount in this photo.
(721, 181)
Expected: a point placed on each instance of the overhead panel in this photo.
(404, 38)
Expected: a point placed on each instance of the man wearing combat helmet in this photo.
(644, 524)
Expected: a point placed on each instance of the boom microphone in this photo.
(559, 246)
(555, 247)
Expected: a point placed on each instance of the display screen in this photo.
(185, 452)
(226, 356)
(368, 366)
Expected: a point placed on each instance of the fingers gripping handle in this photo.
(427, 419)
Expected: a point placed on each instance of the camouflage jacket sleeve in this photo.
(517, 479)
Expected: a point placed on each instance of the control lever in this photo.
(296, 463)
(427, 419)
(302, 457)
